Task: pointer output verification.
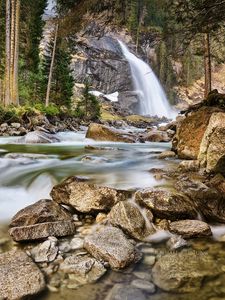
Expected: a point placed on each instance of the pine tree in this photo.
(88, 106)
(62, 80)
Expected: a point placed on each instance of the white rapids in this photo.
(153, 100)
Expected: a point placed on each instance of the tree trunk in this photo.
(51, 66)
(208, 66)
(12, 47)
(16, 55)
(7, 56)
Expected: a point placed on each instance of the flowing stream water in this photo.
(153, 100)
(28, 173)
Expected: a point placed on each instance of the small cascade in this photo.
(153, 101)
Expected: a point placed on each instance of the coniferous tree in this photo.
(62, 82)
(88, 107)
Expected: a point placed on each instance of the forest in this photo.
(189, 32)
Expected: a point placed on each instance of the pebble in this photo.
(150, 251)
(143, 275)
(76, 243)
(149, 260)
(65, 247)
(144, 285)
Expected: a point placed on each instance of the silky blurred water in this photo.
(28, 172)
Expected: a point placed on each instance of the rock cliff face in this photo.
(98, 58)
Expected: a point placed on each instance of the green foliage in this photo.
(31, 26)
(88, 107)
(50, 110)
(16, 113)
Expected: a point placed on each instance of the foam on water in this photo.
(153, 100)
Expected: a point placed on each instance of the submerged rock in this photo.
(184, 272)
(39, 137)
(100, 132)
(82, 269)
(20, 277)
(86, 197)
(41, 220)
(122, 292)
(112, 246)
(144, 285)
(166, 204)
(190, 228)
(128, 217)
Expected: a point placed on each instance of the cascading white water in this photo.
(151, 95)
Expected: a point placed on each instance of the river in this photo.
(28, 173)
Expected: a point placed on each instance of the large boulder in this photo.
(111, 245)
(190, 132)
(184, 272)
(212, 149)
(39, 137)
(41, 220)
(156, 136)
(128, 217)
(40, 212)
(166, 204)
(208, 200)
(190, 228)
(86, 197)
(20, 277)
(100, 132)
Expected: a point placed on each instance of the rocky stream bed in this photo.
(125, 219)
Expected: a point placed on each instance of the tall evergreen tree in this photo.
(61, 80)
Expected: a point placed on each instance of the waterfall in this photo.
(153, 101)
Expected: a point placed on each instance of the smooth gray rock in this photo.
(39, 137)
(112, 246)
(144, 285)
(122, 292)
(20, 277)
